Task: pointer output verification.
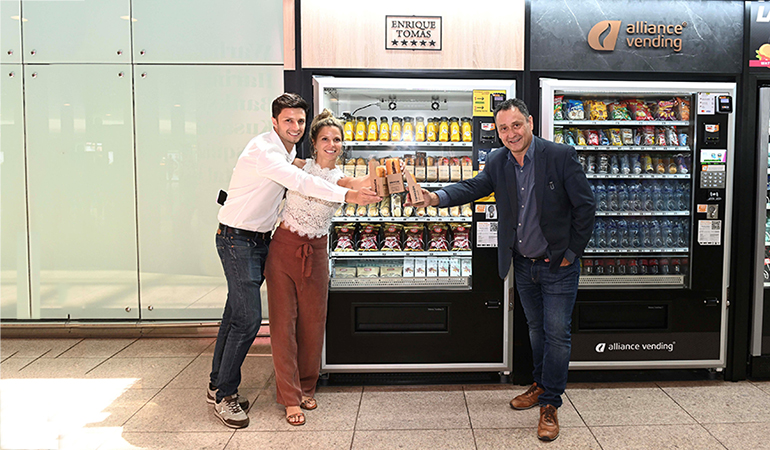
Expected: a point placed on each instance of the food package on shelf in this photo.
(385, 207)
(368, 237)
(395, 205)
(413, 240)
(437, 235)
(461, 237)
(391, 237)
(466, 210)
(345, 237)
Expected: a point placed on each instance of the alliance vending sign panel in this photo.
(635, 36)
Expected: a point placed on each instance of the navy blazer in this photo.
(564, 200)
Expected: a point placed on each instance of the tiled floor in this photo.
(149, 393)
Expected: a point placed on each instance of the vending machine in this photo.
(760, 325)
(654, 277)
(412, 289)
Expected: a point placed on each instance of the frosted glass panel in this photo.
(192, 123)
(10, 32)
(14, 279)
(81, 191)
(92, 31)
(204, 31)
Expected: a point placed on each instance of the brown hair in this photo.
(288, 100)
(511, 103)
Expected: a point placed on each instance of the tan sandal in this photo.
(309, 404)
(296, 420)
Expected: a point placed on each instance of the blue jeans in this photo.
(548, 300)
(243, 260)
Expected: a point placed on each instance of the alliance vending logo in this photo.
(655, 36)
(634, 347)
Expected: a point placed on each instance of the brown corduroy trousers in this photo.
(297, 276)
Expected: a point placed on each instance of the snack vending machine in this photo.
(760, 329)
(413, 289)
(654, 277)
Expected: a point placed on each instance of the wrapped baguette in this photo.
(373, 210)
(385, 207)
(340, 211)
(420, 212)
(432, 211)
(454, 211)
(467, 211)
(350, 209)
(395, 205)
(443, 212)
(408, 211)
(361, 211)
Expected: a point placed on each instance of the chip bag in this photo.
(414, 241)
(437, 234)
(682, 108)
(345, 235)
(619, 111)
(665, 110)
(575, 110)
(558, 107)
(461, 237)
(598, 110)
(391, 240)
(367, 238)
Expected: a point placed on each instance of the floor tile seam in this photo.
(358, 414)
(117, 353)
(113, 356)
(230, 439)
(677, 403)
(179, 373)
(9, 356)
(31, 362)
(470, 419)
(593, 435)
(70, 348)
(122, 425)
(527, 427)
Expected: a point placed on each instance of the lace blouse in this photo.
(310, 216)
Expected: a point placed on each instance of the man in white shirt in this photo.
(261, 176)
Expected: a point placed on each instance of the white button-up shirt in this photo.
(263, 172)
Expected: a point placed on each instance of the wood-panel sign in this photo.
(413, 33)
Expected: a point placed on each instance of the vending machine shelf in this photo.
(631, 148)
(416, 283)
(623, 123)
(594, 251)
(641, 176)
(616, 281)
(422, 219)
(427, 145)
(642, 213)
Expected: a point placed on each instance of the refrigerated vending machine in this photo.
(760, 325)
(654, 277)
(415, 290)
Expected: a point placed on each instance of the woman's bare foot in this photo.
(295, 416)
(308, 403)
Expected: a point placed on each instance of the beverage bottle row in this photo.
(634, 266)
(634, 163)
(641, 195)
(640, 233)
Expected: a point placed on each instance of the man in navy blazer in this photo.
(545, 210)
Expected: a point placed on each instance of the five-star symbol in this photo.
(412, 43)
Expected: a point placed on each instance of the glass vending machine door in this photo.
(760, 327)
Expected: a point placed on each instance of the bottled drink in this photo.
(644, 267)
(635, 196)
(654, 269)
(664, 268)
(685, 187)
(625, 165)
(604, 164)
(612, 197)
(601, 236)
(645, 234)
(622, 226)
(609, 266)
(601, 197)
(636, 164)
(668, 234)
(598, 267)
(623, 198)
(685, 265)
(620, 266)
(612, 234)
(591, 165)
(633, 268)
(614, 164)
(646, 197)
(676, 234)
(588, 267)
(668, 197)
(675, 268)
(657, 234)
(657, 198)
(634, 239)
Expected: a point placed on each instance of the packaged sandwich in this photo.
(350, 209)
(395, 205)
(367, 237)
(385, 207)
(413, 240)
(420, 163)
(345, 233)
(443, 212)
(361, 211)
(373, 210)
(466, 167)
(431, 169)
(443, 169)
(437, 238)
(461, 237)
(455, 173)
(340, 211)
(466, 210)
(391, 237)
(431, 211)
(419, 212)
(454, 211)
(408, 211)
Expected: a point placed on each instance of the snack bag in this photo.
(648, 135)
(367, 238)
(414, 241)
(671, 136)
(580, 138)
(647, 163)
(598, 110)
(391, 241)
(592, 137)
(682, 108)
(558, 107)
(575, 110)
(639, 110)
(437, 235)
(344, 237)
(569, 138)
(558, 136)
(461, 237)
(665, 110)
(603, 139)
(615, 138)
(660, 137)
(682, 139)
(618, 111)
(627, 136)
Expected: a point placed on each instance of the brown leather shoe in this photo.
(528, 399)
(548, 427)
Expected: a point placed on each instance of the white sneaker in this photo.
(211, 397)
(230, 413)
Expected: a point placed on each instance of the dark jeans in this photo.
(548, 300)
(243, 260)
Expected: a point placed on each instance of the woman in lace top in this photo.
(297, 274)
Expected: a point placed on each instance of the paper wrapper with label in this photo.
(414, 189)
(379, 183)
(394, 177)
